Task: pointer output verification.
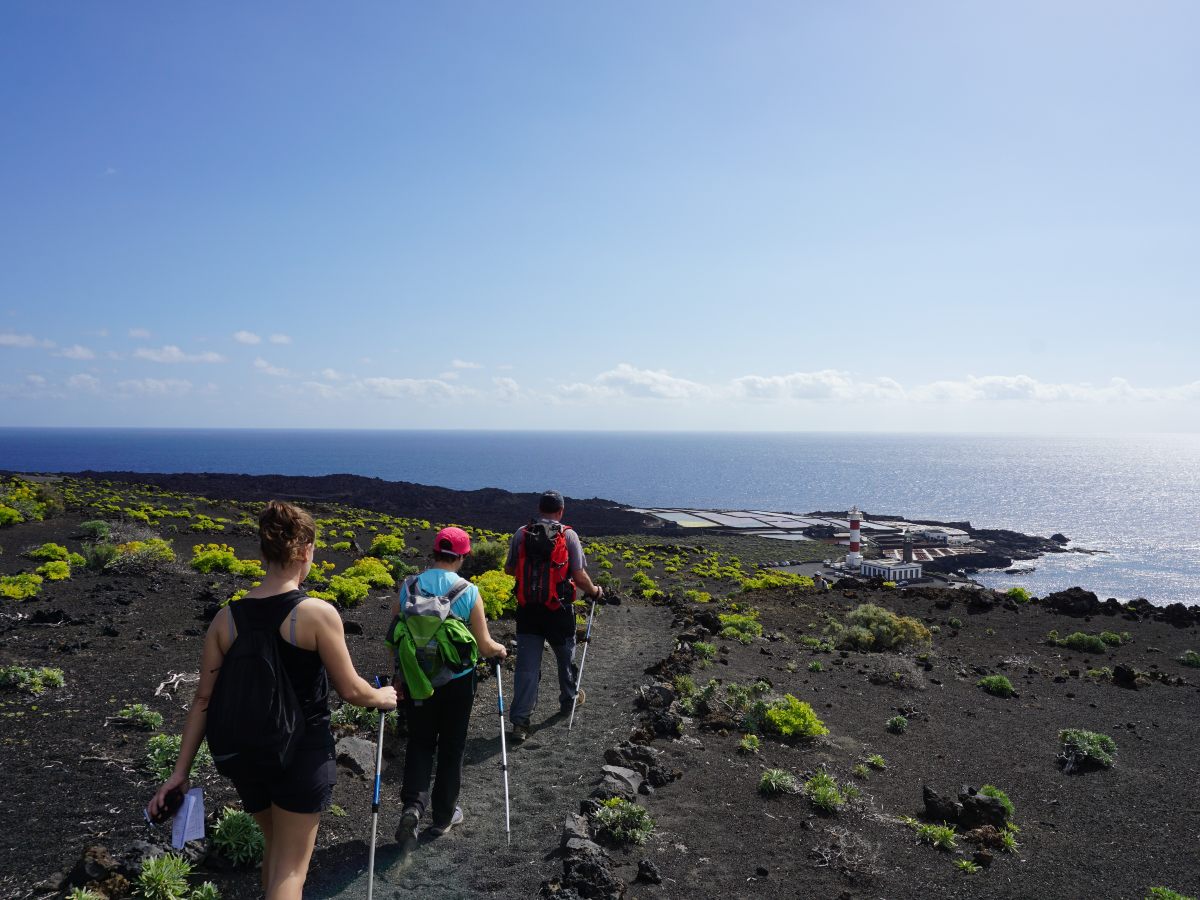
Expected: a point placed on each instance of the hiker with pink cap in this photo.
(439, 631)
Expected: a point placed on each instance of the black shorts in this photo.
(306, 786)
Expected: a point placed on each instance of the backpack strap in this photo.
(292, 629)
(455, 592)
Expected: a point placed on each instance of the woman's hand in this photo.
(385, 697)
(158, 803)
(499, 652)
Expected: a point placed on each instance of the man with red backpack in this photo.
(547, 559)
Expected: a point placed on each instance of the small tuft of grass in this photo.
(995, 793)
(940, 836)
(623, 821)
(777, 781)
(897, 724)
(823, 793)
(875, 761)
(750, 744)
(966, 866)
(996, 685)
(1191, 659)
(1085, 750)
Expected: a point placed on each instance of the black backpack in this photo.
(255, 721)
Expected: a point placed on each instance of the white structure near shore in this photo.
(891, 569)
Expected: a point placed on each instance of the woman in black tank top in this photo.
(312, 649)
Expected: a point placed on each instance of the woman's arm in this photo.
(479, 630)
(211, 658)
(331, 645)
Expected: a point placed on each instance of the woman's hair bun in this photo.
(284, 530)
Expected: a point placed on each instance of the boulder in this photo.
(648, 872)
(357, 755)
(575, 828)
(1074, 601)
(618, 781)
(939, 808)
(979, 811)
(1126, 677)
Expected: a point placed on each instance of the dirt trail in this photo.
(548, 776)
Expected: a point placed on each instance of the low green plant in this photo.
(58, 570)
(373, 571)
(996, 685)
(965, 865)
(498, 593)
(164, 878)
(897, 724)
(340, 546)
(346, 591)
(750, 744)
(815, 666)
(387, 545)
(1162, 893)
(79, 893)
(337, 811)
(823, 793)
(764, 580)
(1101, 674)
(95, 530)
(162, 751)
(861, 771)
(697, 596)
(793, 718)
(1111, 638)
(989, 790)
(871, 627)
(955, 623)
(1084, 643)
(208, 558)
(206, 891)
(30, 680)
(20, 587)
(623, 822)
(777, 781)
(1019, 594)
(238, 837)
(149, 555)
(741, 627)
(1008, 842)
(684, 685)
(139, 715)
(704, 652)
(98, 556)
(940, 836)
(358, 718)
(48, 553)
(875, 761)
(1191, 659)
(1085, 750)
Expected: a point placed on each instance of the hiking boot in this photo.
(407, 829)
(519, 733)
(455, 819)
(580, 699)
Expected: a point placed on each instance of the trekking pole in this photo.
(587, 639)
(379, 682)
(503, 750)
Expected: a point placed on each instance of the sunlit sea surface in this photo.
(1136, 497)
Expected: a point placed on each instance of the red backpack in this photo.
(543, 567)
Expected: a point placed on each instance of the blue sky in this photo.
(897, 216)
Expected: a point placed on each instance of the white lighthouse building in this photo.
(854, 557)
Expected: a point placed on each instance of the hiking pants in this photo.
(529, 674)
(437, 727)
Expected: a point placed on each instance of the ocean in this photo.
(1130, 496)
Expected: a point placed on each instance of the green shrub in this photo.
(1008, 843)
(740, 627)
(162, 751)
(238, 837)
(861, 771)
(208, 558)
(1084, 643)
(9, 516)
(1019, 594)
(348, 591)
(623, 822)
(995, 793)
(996, 685)
(54, 571)
(697, 596)
(78, 893)
(704, 651)
(1100, 674)
(372, 571)
(823, 793)
(206, 891)
(139, 715)
(1162, 893)
(955, 623)
(871, 627)
(95, 530)
(792, 718)
(164, 878)
(31, 680)
(498, 592)
(684, 685)
(940, 836)
(1085, 749)
(875, 761)
(777, 781)
(749, 744)
(20, 587)
(387, 545)
(1111, 638)
(485, 556)
(1190, 658)
(98, 556)
(765, 580)
(341, 546)
(897, 724)
(815, 666)
(965, 865)
(48, 553)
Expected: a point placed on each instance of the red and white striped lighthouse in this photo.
(854, 557)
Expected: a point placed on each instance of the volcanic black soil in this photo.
(72, 781)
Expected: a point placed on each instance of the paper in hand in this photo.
(189, 821)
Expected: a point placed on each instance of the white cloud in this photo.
(321, 390)
(628, 381)
(35, 380)
(448, 376)
(169, 353)
(425, 389)
(246, 337)
(266, 368)
(10, 339)
(139, 333)
(826, 384)
(280, 339)
(76, 351)
(161, 387)
(332, 375)
(507, 389)
(463, 364)
(84, 382)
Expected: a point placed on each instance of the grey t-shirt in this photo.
(575, 558)
(558, 624)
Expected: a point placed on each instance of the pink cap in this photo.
(452, 540)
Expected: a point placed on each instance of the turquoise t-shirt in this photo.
(438, 582)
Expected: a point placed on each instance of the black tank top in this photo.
(304, 668)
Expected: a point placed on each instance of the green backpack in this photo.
(431, 645)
